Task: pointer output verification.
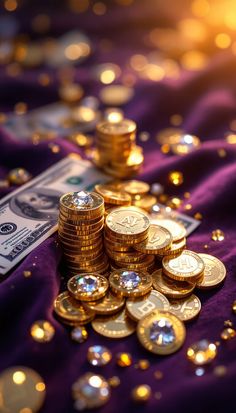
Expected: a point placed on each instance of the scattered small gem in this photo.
(143, 364)
(54, 147)
(79, 334)
(220, 371)
(228, 323)
(141, 393)
(98, 355)
(187, 207)
(114, 381)
(18, 176)
(27, 273)
(42, 331)
(124, 359)
(157, 189)
(198, 216)
(90, 391)
(199, 371)
(228, 334)
(217, 235)
(176, 178)
(202, 352)
(234, 306)
(158, 375)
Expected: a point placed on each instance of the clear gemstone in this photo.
(129, 279)
(82, 199)
(87, 283)
(162, 332)
(98, 355)
(93, 390)
(202, 352)
(79, 334)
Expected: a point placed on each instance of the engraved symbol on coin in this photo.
(7, 228)
(147, 307)
(129, 221)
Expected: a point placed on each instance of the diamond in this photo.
(91, 391)
(79, 334)
(129, 280)
(87, 283)
(202, 352)
(82, 199)
(228, 333)
(217, 235)
(162, 332)
(98, 355)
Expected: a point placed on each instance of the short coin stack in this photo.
(125, 228)
(80, 231)
(116, 151)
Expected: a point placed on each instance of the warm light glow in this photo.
(154, 72)
(40, 386)
(200, 8)
(193, 29)
(231, 138)
(73, 52)
(19, 377)
(138, 62)
(10, 5)
(95, 381)
(99, 8)
(107, 76)
(194, 60)
(37, 332)
(223, 40)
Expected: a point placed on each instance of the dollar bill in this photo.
(29, 215)
(188, 222)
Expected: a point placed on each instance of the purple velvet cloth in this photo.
(206, 100)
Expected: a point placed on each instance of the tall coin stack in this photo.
(125, 228)
(116, 151)
(80, 231)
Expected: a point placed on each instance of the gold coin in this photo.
(82, 202)
(127, 221)
(140, 307)
(76, 235)
(75, 217)
(78, 221)
(79, 228)
(117, 246)
(130, 283)
(87, 262)
(161, 332)
(122, 128)
(135, 187)
(107, 305)
(176, 229)
(175, 249)
(133, 266)
(127, 257)
(113, 196)
(124, 239)
(186, 309)
(71, 310)
(90, 268)
(69, 248)
(145, 202)
(86, 286)
(187, 266)
(214, 272)
(22, 390)
(75, 243)
(171, 288)
(159, 239)
(142, 266)
(116, 326)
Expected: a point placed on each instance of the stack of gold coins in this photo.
(126, 227)
(178, 234)
(138, 190)
(116, 150)
(80, 231)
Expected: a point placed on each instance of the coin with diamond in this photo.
(171, 288)
(187, 266)
(86, 286)
(159, 239)
(130, 283)
(107, 305)
(140, 307)
(117, 326)
(81, 202)
(186, 309)
(71, 311)
(161, 332)
(90, 391)
(214, 272)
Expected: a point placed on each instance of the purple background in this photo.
(206, 100)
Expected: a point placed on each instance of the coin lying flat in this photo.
(84, 202)
(130, 283)
(171, 288)
(187, 266)
(72, 311)
(135, 187)
(116, 326)
(140, 307)
(86, 286)
(113, 196)
(214, 272)
(107, 305)
(175, 249)
(161, 332)
(176, 229)
(22, 390)
(145, 202)
(127, 221)
(159, 239)
(186, 309)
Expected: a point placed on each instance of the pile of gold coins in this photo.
(149, 288)
(80, 231)
(116, 151)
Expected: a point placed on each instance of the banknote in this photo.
(29, 215)
(188, 222)
(46, 119)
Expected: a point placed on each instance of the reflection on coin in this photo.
(171, 288)
(72, 311)
(175, 249)
(161, 332)
(187, 266)
(116, 326)
(107, 305)
(214, 272)
(113, 196)
(86, 286)
(22, 390)
(135, 187)
(130, 283)
(176, 229)
(159, 239)
(127, 221)
(140, 307)
(82, 201)
(186, 309)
